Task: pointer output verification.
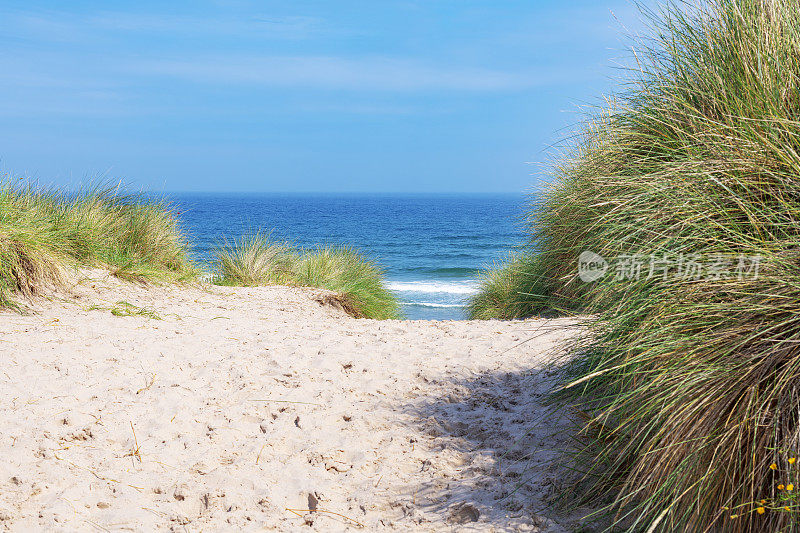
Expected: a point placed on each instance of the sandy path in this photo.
(246, 402)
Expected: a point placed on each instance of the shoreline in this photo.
(180, 406)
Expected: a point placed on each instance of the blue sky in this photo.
(339, 96)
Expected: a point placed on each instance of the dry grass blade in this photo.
(298, 511)
(135, 451)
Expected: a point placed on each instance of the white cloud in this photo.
(262, 26)
(62, 26)
(372, 73)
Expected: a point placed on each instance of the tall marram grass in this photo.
(255, 259)
(350, 274)
(44, 233)
(690, 384)
(509, 290)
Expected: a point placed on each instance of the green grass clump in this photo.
(348, 273)
(43, 233)
(255, 259)
(509, 291)
(123, 308)
(690, 383)
(359, 284)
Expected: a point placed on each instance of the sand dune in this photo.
(251, 408)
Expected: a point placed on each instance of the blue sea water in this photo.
(431, 247)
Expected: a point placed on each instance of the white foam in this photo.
(431, 304)
(448, 287)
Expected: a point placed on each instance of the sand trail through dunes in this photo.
(180, 408)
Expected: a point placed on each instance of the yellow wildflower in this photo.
(792, 460)
(787, 508)
(790, 487)
(763, 502)
(773, 466)
(760, 510)
(780, 487)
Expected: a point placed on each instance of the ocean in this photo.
(431, 247)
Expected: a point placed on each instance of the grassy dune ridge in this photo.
(256, 259)
(689, 384)
(45, 233)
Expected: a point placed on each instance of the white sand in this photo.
(249, 402)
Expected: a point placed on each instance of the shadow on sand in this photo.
(498, 455)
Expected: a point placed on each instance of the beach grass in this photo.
(45, 233)
(688, 377)
(352, 275)
(509, 291)
(256, 259)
